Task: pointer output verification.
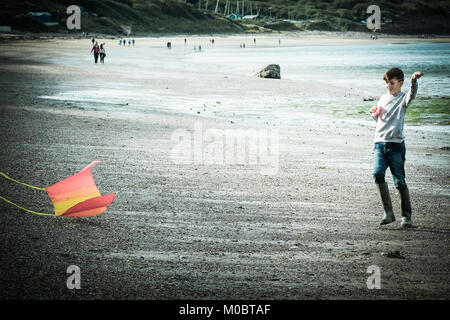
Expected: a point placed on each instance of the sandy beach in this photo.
(197, 229)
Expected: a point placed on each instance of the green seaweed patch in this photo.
(426, 110)
(357, 112)
(423, 110)
(429, 111)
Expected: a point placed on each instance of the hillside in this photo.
(184, 16)
(397, 16)
(119, 16)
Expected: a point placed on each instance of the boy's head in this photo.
(394, 80)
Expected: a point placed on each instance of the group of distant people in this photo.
(242, 45)
(99, 51)
(124, 42)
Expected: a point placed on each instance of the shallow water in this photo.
(357, 69)
(361, 66)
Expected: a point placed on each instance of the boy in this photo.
(389, 149)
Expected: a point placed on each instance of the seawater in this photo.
(358, 67)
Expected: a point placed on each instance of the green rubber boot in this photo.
(406, 208)
(383, 191)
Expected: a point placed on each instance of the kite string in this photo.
(22, 183)
(28, 210)
(27, 185)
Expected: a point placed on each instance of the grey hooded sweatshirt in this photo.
(392, 116)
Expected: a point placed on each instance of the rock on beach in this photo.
(271, 71)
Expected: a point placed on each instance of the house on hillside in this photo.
(43, 17)
(234, 16)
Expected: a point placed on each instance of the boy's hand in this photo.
(375, 111)
(416, 75)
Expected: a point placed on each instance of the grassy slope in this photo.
(397, 16)
(143, 16)
(178, 16)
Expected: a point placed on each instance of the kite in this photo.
(75, 196)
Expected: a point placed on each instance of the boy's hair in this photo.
(394, 73)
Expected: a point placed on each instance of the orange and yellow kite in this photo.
(75, 196)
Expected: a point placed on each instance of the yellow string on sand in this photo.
(25, 184)
(27, 210)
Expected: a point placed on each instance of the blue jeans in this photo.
(392, 155)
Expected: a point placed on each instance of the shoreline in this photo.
(74, 48)
(322, 35)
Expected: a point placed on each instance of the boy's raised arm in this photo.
(416, 75)
(413, 91)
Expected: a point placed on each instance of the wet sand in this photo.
(206, 231)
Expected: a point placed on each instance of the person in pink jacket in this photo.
(96, 50)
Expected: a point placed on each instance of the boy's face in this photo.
(393, 85)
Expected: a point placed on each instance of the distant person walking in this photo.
(96, 50)
(102, 53)
(133, 42)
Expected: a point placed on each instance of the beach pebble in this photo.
(393, 254)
